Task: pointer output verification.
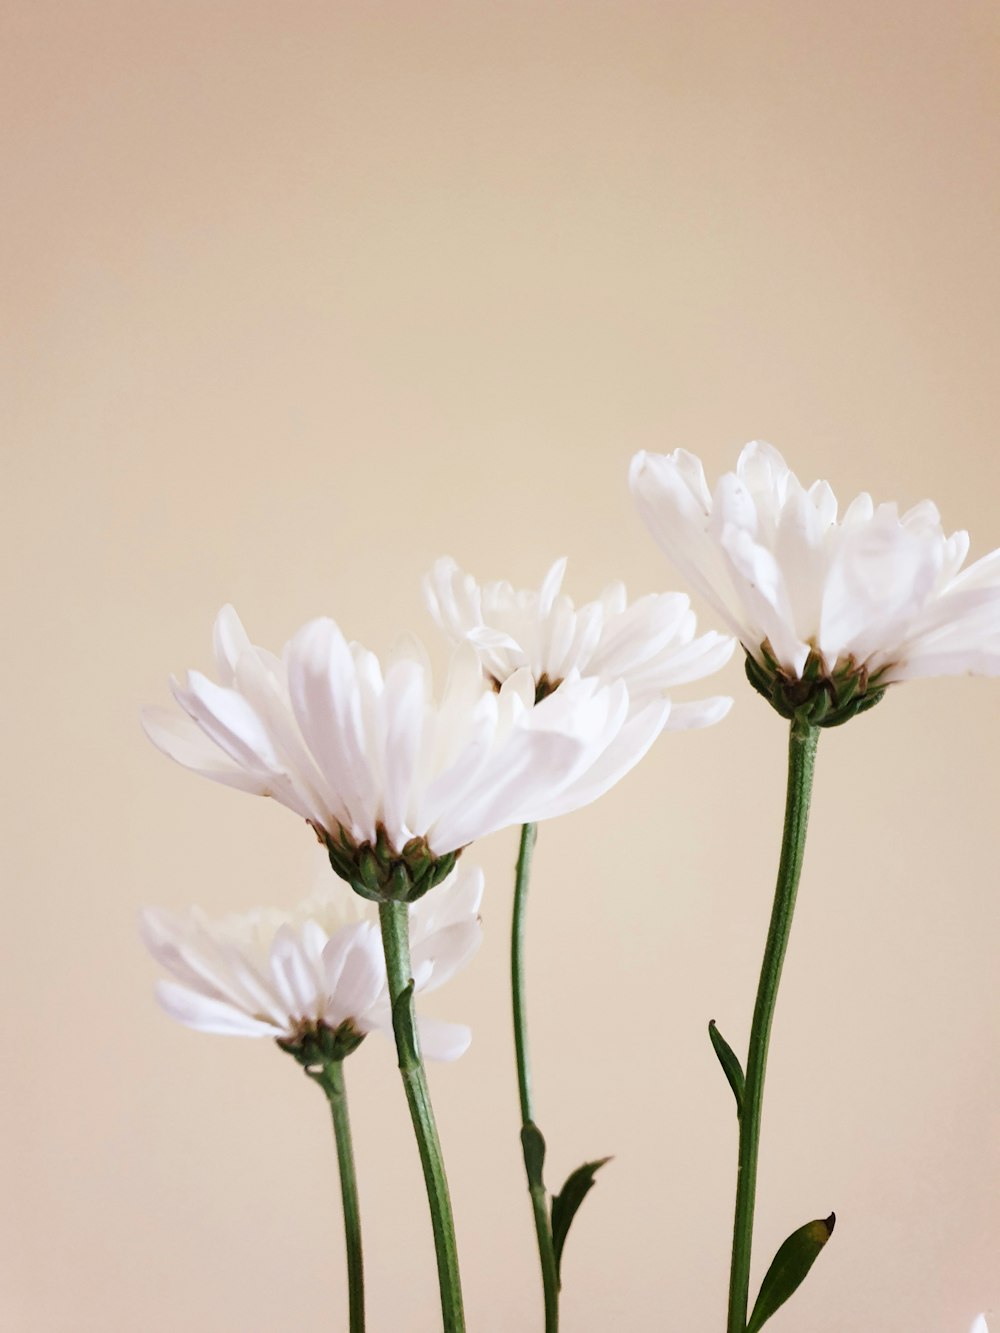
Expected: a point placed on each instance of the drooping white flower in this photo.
(290, 975)
(385, 773)
(874, 590)
(650, 645)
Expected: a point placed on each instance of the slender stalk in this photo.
(332, 1082)
(394, 919)
(802, 740)
(536, 1188)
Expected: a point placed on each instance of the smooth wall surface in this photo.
(300, 295)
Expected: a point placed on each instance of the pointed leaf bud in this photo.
(729, 1061)
(567, 1202)
(789, 1268)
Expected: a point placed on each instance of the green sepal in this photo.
(377, 872)
(369, 870)
(814, 697)
(871, 699)
(399, 882)
(318, 1046)
(533, 1147)
(363, 892)
(817, 709)
(730, 1063)
(566, 1203)
(759, 678)
(847, 689)
(789, 1268)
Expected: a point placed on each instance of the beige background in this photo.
(300, 295)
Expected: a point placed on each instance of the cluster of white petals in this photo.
(874, 589)
(349, 745)
(269, 973)
(649, 645)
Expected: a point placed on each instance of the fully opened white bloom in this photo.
(873, 589)
(268, 973)
(368, 751)
(651, 644)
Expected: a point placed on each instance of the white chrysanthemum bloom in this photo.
(650, 645)
(874, 594)
(395, 782)
(315, 972)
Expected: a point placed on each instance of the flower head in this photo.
(395, 782)
(830, 611)
(314, 978)
(980, 1325)
(650, 645)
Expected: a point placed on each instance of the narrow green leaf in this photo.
(729, 1061)
(533, 1147)
(404, 1023)
(566, 1203)
(789, 1268)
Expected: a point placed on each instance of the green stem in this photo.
(802, 741)
(332, 1082)
(536, 1187)
(394, 919)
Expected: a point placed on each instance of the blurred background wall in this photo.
(300, 295)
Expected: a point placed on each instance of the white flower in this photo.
(370, 759)
(980, 1325)
(875, 590)
(286, 975)
(650, 645)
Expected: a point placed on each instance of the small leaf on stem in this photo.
(566, 1203)
(729, 1061)
(789, 1268)
(533, 1146)
(404, 1024)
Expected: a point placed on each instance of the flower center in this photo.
(543, 686)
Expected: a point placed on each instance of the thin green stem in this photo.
(332, 1082)
(536, 1187)
(802, 741)
(394, 919)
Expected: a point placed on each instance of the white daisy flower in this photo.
(314, 978)
(863, 601)
(650, 645)
(395, 782)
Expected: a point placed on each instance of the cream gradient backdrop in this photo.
(300, 295)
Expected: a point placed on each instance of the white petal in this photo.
(323, 687)
(443, 1041)
(620, 756)
(674, 502)
(703, 713)
(228, 719)
(360, 974)
(550, 587)
(180, 738)
(403, 708)
(230, 641)
(295, 980)
(208, 1015)
(446, 951)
